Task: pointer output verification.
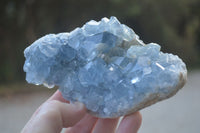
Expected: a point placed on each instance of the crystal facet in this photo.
(105, 66)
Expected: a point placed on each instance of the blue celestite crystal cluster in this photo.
(105, 66)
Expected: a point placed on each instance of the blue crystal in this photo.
(105, 66)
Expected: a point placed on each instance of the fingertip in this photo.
(78, 108)
(58, 96)
(85, 125)
(106, 125)
(137, 117)
(130, 123)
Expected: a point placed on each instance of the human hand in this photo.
(56, 113)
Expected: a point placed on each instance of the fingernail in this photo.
(78, 105)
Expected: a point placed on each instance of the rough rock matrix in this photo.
(105, 66)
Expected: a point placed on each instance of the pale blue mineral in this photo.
(105, 66)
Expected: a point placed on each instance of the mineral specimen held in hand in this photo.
(105, 66)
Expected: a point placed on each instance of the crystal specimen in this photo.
(105, 66)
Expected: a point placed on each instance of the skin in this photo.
(57, 113)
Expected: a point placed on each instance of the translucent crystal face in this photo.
(105, 66)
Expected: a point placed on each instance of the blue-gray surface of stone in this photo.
(105, 66)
